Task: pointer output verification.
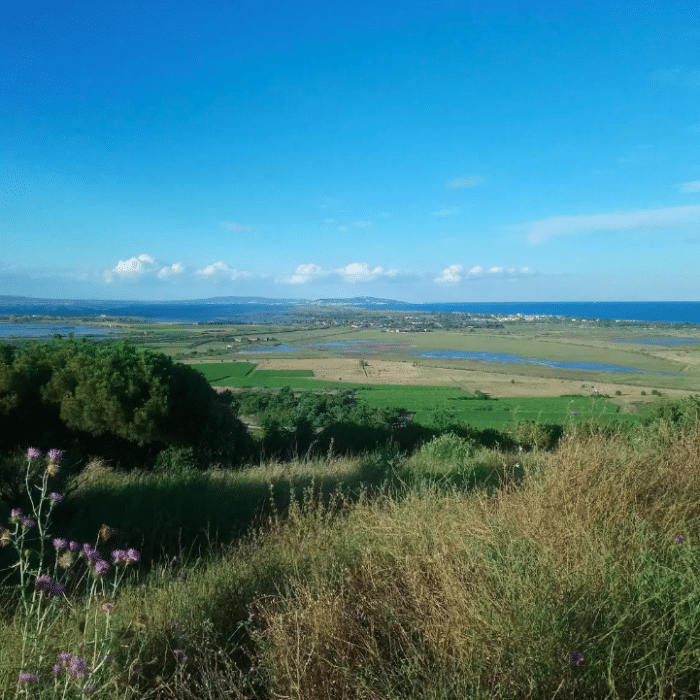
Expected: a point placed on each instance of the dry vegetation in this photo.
(565, 578)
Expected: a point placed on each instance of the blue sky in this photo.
(433, 151)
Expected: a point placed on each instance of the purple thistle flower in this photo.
(78, 667)
(33, 453)
(101, 568)
(57, 668)
(73, 546)
(27, 678)
(679, 539)
(55, 455)
(93, 556)
(119, 556)
(44, 584)
(27, 522)
(60, 543)
(132, 556)
(575, 657)
(65, 657)
(56, 497)
(15, 515)
(107, 607)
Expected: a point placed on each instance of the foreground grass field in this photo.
(453, 573)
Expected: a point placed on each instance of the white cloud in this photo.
(476, 270)
(460, 182)
(558, 226)
(131, 268)
(233, 226)
(447, 212)
(450, 275)
(495, 270)
(167, 273)
(360, 272)
(220, 270)
(304, 274)
(692, 186)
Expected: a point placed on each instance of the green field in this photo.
(218, 371)
(489, 413)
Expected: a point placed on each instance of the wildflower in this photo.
(574, 413)
(107, 607)
(60, 543)
(101, 568)
(56, 497)
(132, 556)
(57, 668)
(119, 556)
(55, 455)
(73, 546)
(575, 657)
(78, 667)
(15, 515)
(65, 657)
(27, 678)
(4, 537)
(27, 522)
(679, 539)
(105, 533)
(33, 453)
(46, 585)
(65, 560)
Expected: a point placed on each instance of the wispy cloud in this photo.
(460, 182)
(220, 270)
(362, 224)
(233, 226)
(446, 212)
(561, 226)
(456, 273)
(692, 186)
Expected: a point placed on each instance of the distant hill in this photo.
(363, 302)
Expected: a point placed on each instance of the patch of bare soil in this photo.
(496, 385)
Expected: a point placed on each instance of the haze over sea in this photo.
(275, 310)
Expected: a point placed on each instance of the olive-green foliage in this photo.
(683, 413)
(116, 390)
(537, 436)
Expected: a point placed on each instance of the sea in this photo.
(261, 310)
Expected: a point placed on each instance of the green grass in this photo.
(434, 591)
(495, 413)
(284, 373)
(216, 371)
